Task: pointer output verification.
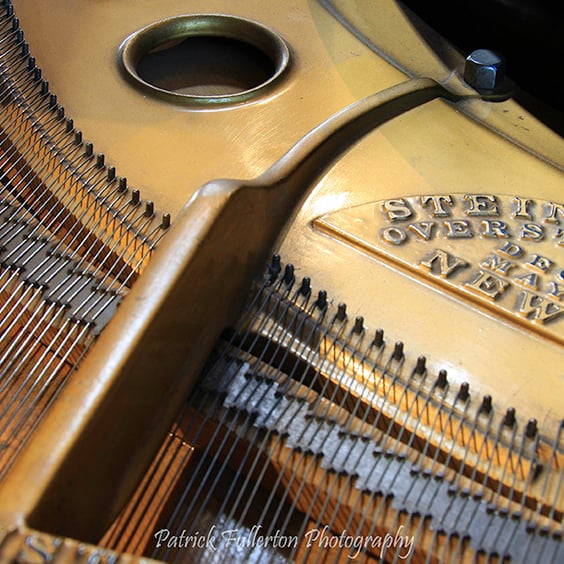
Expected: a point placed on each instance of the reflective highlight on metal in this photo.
(213, 28)
(484, 70)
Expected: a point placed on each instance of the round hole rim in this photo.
(250, 32)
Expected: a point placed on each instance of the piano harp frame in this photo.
(193, 287)
(96, 448)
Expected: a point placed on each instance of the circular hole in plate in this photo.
(205, 60)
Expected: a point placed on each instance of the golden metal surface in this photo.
(72, 450)
(212, 27)
(444, 226)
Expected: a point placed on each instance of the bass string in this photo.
(220, 438)
(359, 421)
(68, 167)
(307, 462)
(356, 511)
(187, 418)
(251, 496)
(455, 434)
(116, 286)
(331, 516)
(250, 338)
(42, 356)
(265, 445)
(30, 330)
(38, 323)
(349, 483)
(52, 379)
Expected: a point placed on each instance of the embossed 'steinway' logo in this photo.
(500, 252)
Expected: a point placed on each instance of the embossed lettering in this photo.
(530, 281)
(481, 205)
(556, 290)
(540, 264)
(438, 204)
(393, 235)
(532, 232)
(553, 211)
(458, 229)
(446, 263)
(494, 229)
(522, 208)
(532, 306)
(396, 210)
(511, 250)
(487, 284)
(423, 228)
(496, 247)
(497, 264)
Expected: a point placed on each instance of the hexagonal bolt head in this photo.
(484, 70)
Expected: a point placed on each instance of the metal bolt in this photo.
(484, 70)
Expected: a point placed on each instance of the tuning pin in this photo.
(509, 418)
(379, 338)
(275, 266)
(358, 325)
(486, 405)
(305, 288)
(442, 379)
(322, 299)
(165, 223)
(463, 393)
(398, 351)
(420, 367)
(531, 430)
(341, 311)
(111, 173)
(289, 276)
